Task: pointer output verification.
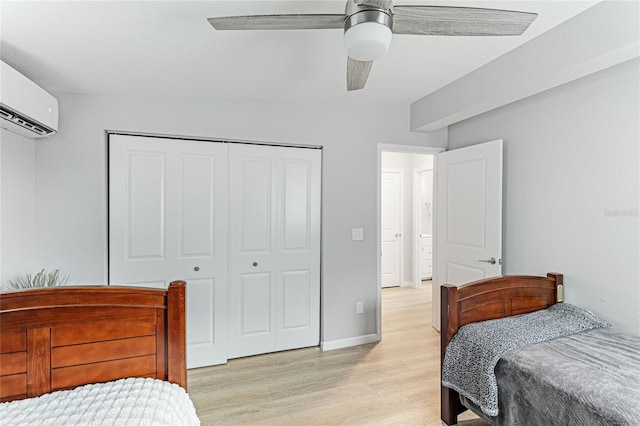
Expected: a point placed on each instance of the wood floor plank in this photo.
(392, 382)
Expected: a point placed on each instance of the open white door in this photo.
(468, 216)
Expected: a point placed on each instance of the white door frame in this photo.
(417, 198)
(409, 149)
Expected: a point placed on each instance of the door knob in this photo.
(491, 261)
(197, 268)
(255, 263)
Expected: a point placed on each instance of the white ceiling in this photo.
(169, 48)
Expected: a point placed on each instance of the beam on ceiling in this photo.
(604, 35)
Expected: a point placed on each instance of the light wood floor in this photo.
(393, 382)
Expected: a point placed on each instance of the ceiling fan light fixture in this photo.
(367, 41)
(367, 34)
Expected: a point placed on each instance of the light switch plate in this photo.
(357, 234)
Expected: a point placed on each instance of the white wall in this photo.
(17, 205)
(71, 181)
(572, 185)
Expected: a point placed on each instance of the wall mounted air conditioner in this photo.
(26, 108)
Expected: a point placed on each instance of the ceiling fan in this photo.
(369, 24)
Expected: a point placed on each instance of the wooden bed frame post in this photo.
(177, 339)
(449, 402)
(559, 286)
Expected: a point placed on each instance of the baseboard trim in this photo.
(350, 341)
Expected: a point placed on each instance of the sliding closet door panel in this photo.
(251, 289)
(298, 291)
(274, 233)
(168, 220)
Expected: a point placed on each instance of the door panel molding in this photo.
(144, 229)
(255, 204)
(196, 215)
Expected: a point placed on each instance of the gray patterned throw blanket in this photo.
(474, 351)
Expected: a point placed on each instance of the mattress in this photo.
(589, 378)
(131, 401)
(471, 356)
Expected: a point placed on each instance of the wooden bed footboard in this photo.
(63, 337)
(487, 299)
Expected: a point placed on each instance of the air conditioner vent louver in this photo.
(25, 122)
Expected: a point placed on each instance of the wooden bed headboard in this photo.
(62, 337)
(487, 299)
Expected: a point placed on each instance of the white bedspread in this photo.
(132, 401)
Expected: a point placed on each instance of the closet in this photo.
(239, 222)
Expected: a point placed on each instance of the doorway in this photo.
(406, 220)
(404, 250)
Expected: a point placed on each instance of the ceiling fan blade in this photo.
(378, 4)
(357, 73)
(278, 22)
(459, 21)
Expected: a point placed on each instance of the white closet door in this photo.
(168, 221)
(274, 255)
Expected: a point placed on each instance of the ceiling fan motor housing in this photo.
(367, 32)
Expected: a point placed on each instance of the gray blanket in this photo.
(589, 378)
(474, 351)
